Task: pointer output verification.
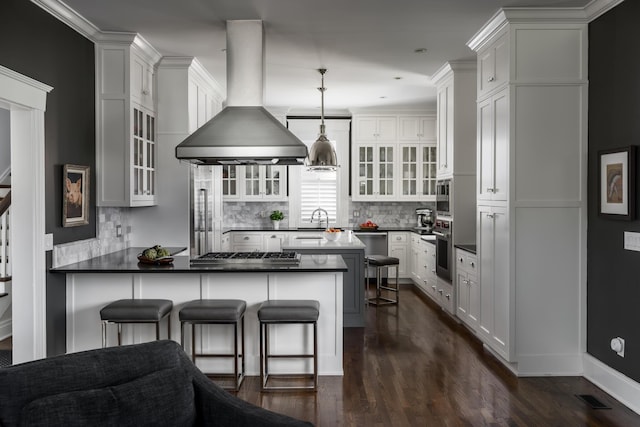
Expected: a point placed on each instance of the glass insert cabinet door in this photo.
(429, 167)
(409, 166)
(272, 181)
(229, 180)
(385, 175)
(252, 180)
(144, 154)
(365, 170)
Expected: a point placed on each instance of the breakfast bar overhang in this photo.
(92, 284)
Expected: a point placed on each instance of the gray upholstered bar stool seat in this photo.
(136, 311)
(380, 262)
(217, 312)
(278, 312)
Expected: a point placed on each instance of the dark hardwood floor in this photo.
(413, 366)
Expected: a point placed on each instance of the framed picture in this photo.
(617, 178)
(75, 191)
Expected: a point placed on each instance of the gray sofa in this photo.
(151, 384)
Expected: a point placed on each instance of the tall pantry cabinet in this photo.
(531, 192)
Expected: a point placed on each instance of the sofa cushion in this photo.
(162, 398)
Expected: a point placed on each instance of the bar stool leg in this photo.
(158, 330)
(315, 356)
(193, 342)
(119, 334)
(104, 334)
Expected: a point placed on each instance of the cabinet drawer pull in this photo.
(490, 216)
(448, 296)
(398, 238)
(440, 291)
(433, 287)
(246, 237)
(473, 264)
(490, 190)
(491, 79)
(461, 259)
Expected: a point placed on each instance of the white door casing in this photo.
(25, 98)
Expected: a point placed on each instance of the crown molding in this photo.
(597, 8)
(73, 19)
(452, 66)
(529, 15)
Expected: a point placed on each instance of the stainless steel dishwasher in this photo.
(376, 244)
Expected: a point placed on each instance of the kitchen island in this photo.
(352, 251)
(92, 284)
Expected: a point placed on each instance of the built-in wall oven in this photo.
(443, 200)
(442, 231)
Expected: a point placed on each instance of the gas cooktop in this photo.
(266, 258)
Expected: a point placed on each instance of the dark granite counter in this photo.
(380, 229)
(126, 261)
(467, 247)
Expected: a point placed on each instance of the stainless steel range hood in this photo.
(244, 132)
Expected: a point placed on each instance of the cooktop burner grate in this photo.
(256, 257)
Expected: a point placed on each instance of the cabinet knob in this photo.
(473, 264)
(246, 237)
(461, 259)
(433, 287)
(145, 92)
(398, 238)
(490, 190)
(490, 215)
(433, 271)
(274, 236)
(440, 291)
(448, 296)
(491, 79)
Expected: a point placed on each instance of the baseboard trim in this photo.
(558, 365)
(618, 385)
(6, 329)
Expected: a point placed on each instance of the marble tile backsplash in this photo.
(253, 214)
(385, 214)
(106, 242)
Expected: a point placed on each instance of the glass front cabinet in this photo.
(254, 182)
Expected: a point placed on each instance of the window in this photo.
(318, 190)
(308, 190)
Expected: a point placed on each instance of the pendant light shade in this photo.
(322, 155)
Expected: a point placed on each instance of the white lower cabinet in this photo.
(246, 242)
(423, 266)
(399, 246)
(272, 242)
(468, 291)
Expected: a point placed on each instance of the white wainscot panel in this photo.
(249, 287)
(86, 295)
(549, 143)
(287, 339)
(548, 294)
(179, 288)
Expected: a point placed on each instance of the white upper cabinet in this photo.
(418, 128)
(374, 171)
(126, 143)
(456, 114)
(493, 66)
(394, 158)
(260, 182)
(376, 128)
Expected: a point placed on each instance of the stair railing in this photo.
(5, 252)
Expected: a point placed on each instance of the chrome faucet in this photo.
(320, 211)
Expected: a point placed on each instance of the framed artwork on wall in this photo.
(75, 191)
(617, 178)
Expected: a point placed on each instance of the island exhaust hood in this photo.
(244, 132)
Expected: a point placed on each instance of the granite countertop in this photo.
(126, 261)
(381, 229)
(343, 243)
(469, 247)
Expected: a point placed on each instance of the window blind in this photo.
(318, 190)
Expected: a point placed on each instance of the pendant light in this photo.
(322, 155)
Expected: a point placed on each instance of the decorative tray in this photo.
(157, 261)
(368, 228)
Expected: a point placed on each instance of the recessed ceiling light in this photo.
(398, 78)
(421, 50)
(383, 97)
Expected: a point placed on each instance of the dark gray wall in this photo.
(34, 43)
(613, 288)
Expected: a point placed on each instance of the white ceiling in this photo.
(364, 44)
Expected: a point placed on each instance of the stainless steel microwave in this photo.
(443, 197)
